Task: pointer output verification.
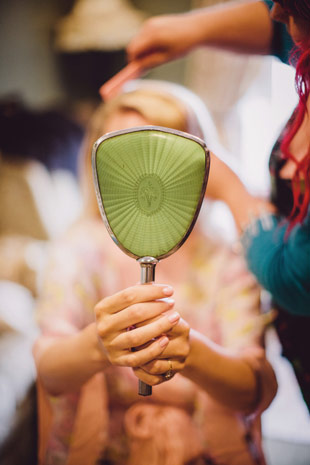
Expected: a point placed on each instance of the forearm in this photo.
(242, 26)
(64, 364)
(227, 378)
(226, 186)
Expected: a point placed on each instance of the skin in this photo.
(242, 27)
(162, 338)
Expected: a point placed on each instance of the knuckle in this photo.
(129, 296)
(130, 360)
(153, 370)
(150, 368)
(112, 345)
(134, 360)
(133, 339)
(184, 352)
(135, 312)
(102, 329)
(156, 380)
(153, 381)
(100, 309)
(97, 310)
(186, 328)
(154, 350)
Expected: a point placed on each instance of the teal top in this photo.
(281, 264)
(282, 43)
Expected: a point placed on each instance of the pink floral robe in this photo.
(106, 418)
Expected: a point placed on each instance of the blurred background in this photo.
(54, 56)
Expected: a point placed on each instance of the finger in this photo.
(136, 315)
(143, 356)
(159, 315)
(160, 367)
(141, 44)
(113, 86)
(141, 314)
(177, 350)
(151, 59)
(179, 345)
(132, 295)
(144, 334)
(147, 378)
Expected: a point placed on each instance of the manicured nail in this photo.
(174, 317)
(168, 290)
(163, 342)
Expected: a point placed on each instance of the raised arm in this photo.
(225, 185)
(241, 26)
(279, 261)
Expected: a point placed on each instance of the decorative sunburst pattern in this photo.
(150, 184)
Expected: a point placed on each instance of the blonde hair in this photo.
(158, 108)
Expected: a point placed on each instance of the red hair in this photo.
(301, 58)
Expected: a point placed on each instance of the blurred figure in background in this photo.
(46, 135)
(34, 144)
(89, 409)
(37, 149)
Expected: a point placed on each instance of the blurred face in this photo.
(124, 120)
(297, 27)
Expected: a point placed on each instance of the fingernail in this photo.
(168, 290)
(174, 317)
(163, 341)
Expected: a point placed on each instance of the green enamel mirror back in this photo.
(150, 182)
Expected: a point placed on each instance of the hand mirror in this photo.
(150, 182)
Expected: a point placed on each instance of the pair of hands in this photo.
(138, 328)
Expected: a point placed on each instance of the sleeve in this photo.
(282, 43)
(72, 425)
(281, 263)
(243, 325)
(68, 294)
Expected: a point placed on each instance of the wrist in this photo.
(197, 28)
(194, 352)
(97, 354)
